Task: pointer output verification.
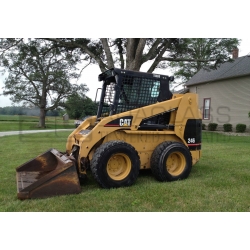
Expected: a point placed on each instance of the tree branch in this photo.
(158, 58)
(120, 51)
(106, 48)
(153, 51)
(9, 47)
(135, 48)
(82, 70)
(130, 51)
(33, 84)
(74, 45)
(138, 53)
(170, 59)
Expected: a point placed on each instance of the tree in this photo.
(132, 53)
(40, 70)
(79, 106)
(39, 74)
(127, 53)
(213, 51)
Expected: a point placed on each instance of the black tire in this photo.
(115, 164)
(171, 161)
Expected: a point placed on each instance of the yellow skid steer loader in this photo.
(139, 124)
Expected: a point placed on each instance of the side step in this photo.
(49, 174)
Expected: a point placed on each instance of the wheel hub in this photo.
(175, 163)
(119, 166)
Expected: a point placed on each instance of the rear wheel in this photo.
(171, 161)
(115, 164)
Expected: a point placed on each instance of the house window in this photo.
(206, 108)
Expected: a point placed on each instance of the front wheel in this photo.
(171, 161)
(115, 164)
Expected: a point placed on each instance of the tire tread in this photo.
(159, 172)
(98, 158)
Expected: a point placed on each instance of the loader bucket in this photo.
(49, 174)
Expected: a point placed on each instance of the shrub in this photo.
(241, 128)
(203, 126)
(227, 127)
(212, 126)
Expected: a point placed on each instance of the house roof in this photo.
(239, 67)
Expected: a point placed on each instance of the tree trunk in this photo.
(107, 52)
(42, 118)
(135, 48)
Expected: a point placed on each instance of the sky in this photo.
(90, 75)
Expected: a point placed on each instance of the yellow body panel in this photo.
(182, 108)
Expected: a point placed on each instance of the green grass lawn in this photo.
(220, 181)
(22, 122)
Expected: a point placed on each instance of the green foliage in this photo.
(212, 126)
(241, 128)
(38, 74)
(53, 113)
(208, 52)
(78, 106)
(187, 54)
(203, 126)
(12, 110)
(227, 127)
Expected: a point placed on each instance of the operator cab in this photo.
(124, 90)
